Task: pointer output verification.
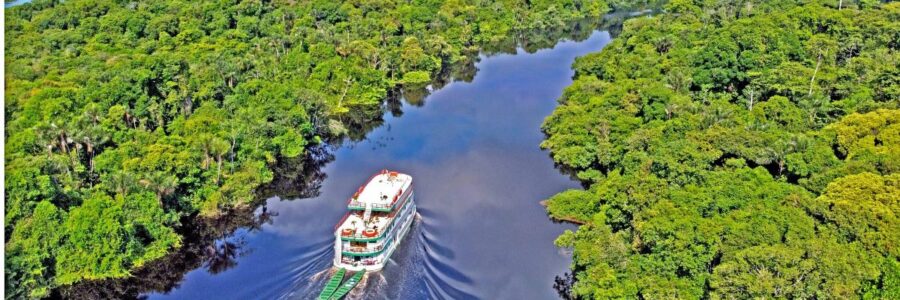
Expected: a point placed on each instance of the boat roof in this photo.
(380, 191)
(382, 188)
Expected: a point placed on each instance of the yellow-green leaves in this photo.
(864, 207)
(416, 78)
(740, 151)
(28, 264)
(105, 237)
(875, 133)
(573, 205)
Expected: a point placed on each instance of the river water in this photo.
(472, 148)
(471, 143)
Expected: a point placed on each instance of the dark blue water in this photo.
(479, 176)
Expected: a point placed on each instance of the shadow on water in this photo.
(299, 178)
(428, 266)
(563, 286)
(213, 244)
(530, 41)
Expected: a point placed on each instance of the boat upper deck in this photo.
(382, 191)
(358, 227)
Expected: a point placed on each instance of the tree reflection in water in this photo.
(563, 286)
(206, 244)
(216, 244)
(529, 41)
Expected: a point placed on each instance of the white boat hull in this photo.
(392, 240)
(386, 256)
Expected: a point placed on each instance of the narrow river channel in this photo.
(472, 148)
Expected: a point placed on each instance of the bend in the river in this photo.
(470, 140)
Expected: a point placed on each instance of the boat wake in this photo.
(310, 271)
(421, 268)
(360, 292)
(322, 275)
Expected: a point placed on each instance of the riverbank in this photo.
(573, 220)
(730, 151)
(456, 128)
(207, 252)
(135, 116)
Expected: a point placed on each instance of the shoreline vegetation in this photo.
(561, 217)
(128, 121)
(215, 244)
(735, 150)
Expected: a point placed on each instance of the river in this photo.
(471, 146)
(12, 3)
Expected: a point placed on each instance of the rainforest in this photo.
(736, 150)
(727, 149)
(126, 118)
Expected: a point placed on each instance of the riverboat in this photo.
(380, 214)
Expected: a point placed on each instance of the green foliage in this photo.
(873, 138)
(124, 117)
(29, 266)
(106, 237)
(735, 150)
(572, 205)
(864, 207)
(416, 78)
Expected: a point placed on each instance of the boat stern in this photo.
(356, 266)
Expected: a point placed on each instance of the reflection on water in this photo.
(212, 245)
(479, 176)
(9, 4)
(563, 285)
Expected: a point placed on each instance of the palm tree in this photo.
(717, 116)
(671, 109)
(47, 138)
(205, 142)
(92, 114)
(161, 184)
(816, 108)
(61, 134)
(219, 148)
(778, 151)
(91, 137)
(121, 182)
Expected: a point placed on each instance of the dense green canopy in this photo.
(734, 150)
(125, 116)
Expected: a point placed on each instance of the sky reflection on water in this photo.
(479, 174)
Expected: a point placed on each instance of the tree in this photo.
(96, 231)
(29, 266)
(864, 207)
(161, 184)
(769, 173)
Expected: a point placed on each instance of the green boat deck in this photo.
(348, 285)
(335, 290)
(332, 284)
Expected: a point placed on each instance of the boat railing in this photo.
(380, 234)
(360, 205)
(355, 249)
(356, 204)
(365, 262)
